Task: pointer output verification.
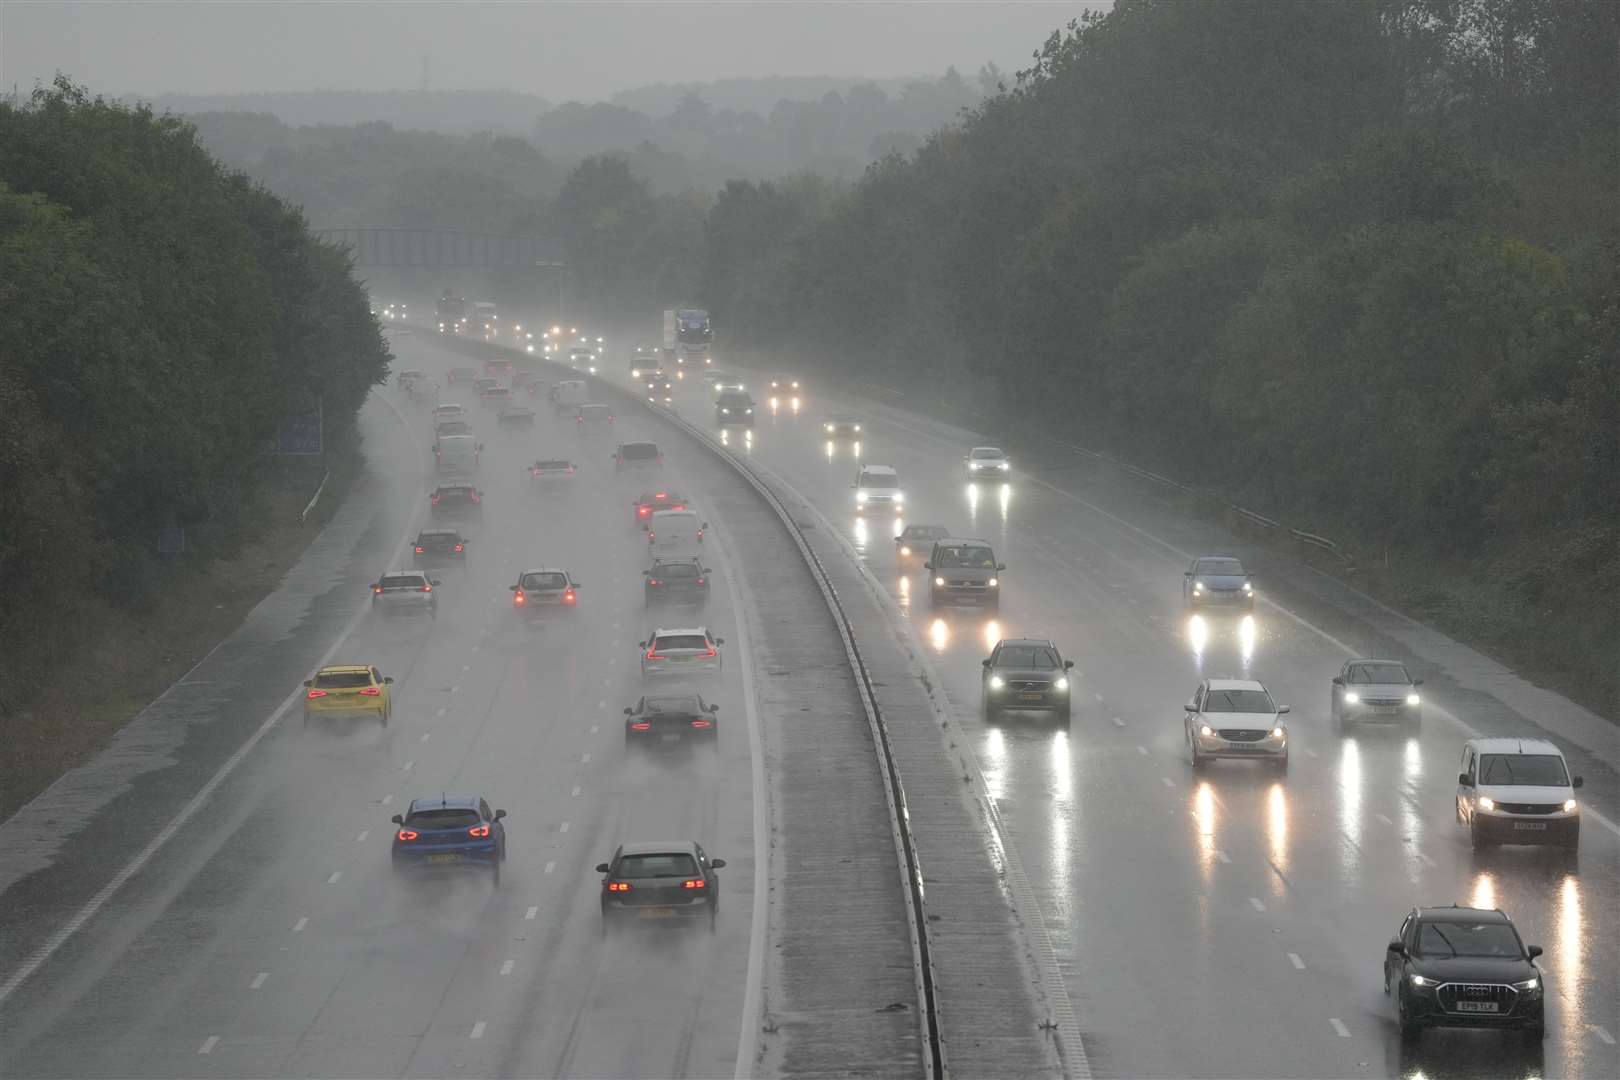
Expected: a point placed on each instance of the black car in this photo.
(1464, 967)
(659, 881)
(515, 416)
(637, 455)
(440, 546)
(453, 499)
(670, 718)
(1026, 673)
(734, 407)
(677, 579)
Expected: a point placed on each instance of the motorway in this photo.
(1231, 924)
(269, 937)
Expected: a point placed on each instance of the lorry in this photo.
(687, 339)
(450, 313)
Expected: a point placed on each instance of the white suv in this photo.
(1235, 718)
(1517, 791)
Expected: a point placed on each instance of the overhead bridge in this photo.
(448, 248)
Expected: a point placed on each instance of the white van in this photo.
(674, 530)
(457, 453)
(877, 487)
(570, 394)
(1517, 791)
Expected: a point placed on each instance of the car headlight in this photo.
(1278, 732)
(1205, 729)
(725, 412)
(1413, 699)
(1004, 465)
(750, 412)
(993, 582)
(857, 427)
(905, 550)
(1487, 803)
(1198, 588)
(939, 581)
(1419, 980)
(1062, 683)
(899, 496)
(1247, 587)
(997, 682)
(1352, 698)
(860, 496)
(1570, 806)
(1528, 984)
(827, 427)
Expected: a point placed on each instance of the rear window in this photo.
(497, 391)
(682, 641)
(984, 453)
(402, 581)
(454, 427)
(554, 464)
(1379, 673)
(444, 818)
(673, 865)
(436, 539)
(638, 451)
(733, 398)
(879, 480)
(594, 412)
(454, 492)
(682, 703)
(1222, 567)
(544, 581)
(343, 680)
(676, 570)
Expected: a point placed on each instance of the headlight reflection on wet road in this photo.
(939, 635)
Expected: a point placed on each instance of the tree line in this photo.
(163, 316)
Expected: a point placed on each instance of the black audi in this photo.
(1464, 967)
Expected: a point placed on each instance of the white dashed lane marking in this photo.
(1293, 958)
(1221, 856)
(362, 837)
(298, 927)
(1384, 819)
(208, 1045)
(440, 711)
(506, 968)
(477, 1031)
(593, 729)
(386, 799)
(1142, 750)
(1600, 1032)
(1118, 722)
(575, 792)
(1339, 1028)
(583, 758)
(531, 913)
(1426, 860)
(1166, 781)
(333, 880)
(258, 980)
(563, 827)
(426, 735)
(550, 866)
(408, 766)
(1254, 902)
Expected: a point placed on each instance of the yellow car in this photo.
(349, 689)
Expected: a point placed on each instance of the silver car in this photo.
(986, 463)
(1231, 718)
(681, 651)
(1217, 581)
(405, 592)
(1377, 692)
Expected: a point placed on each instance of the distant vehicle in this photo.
(660, 391)
(484, 318)
(405, 378)
(593, 418)
(498, 367)
(396, 311)
(1517, 791)
(674, 531)
(1026, 673)
(1235, 718)
(569, 395)
(727, 384)
(551, 472)
(841, 427)
(582, 358)
(688, 337)
(451, 314)
(649, 501)
(543, 588)
(481, 383)
(495, 397)
(457, 453)
(919, 539)
(785, 393)
(986, 462)
(451, 427)
(455, 499)
(964, 569)
(440, 546)
(644, 360)
(637, 455)
(670, 718)
(448, 411)
(676, 579)
(513, 416)
(1375, 691)
(449, 833)
(680, 651)
(877, 487)
(348, 690)
(712, 376)
(734, 407)
(404, 592)
(463, 374)
(1217, 581)
(659, 881)
(1464, 967)
(527, 381)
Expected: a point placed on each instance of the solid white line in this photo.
(477, 1031)
(213, 1040)
(506, 968)
(440, 711)
(455, 687)
(464, 667)
(550, 866)
(1254, 902)
(1099, 697)
(600, 705)
(563, 827)
(531, 913)
(1221, 856)
(362, 837)
(333, 880)
(1293, 958)
(1597, 1029)
(258, 980)
(1310, 753)
(1338, 1026)
(298, 927)
(1165, 780)
(475, 648)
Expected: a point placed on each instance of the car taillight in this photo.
(376, 589)
(458, 548)
(407, 834)
(661, 495)
(434, 498)
(316, 694)
(473, 497)
(644, 511)
(653, 654)
(618, 886)
(568, 598)
(480, 831)
(371, 691)
(701, 723)
(419, 549)
(710, 651)
(652, 581)
(700, 581)
(641, 725)
(700, 534)
(427, 588)
(678, 506)
(570, 470)
(695, 883)
(518, 598)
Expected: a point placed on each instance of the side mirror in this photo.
(480, 446)
(641, 644)
(499, 814)
(928, 566)
(1338, 680)
(628, 711)
(1576, 782)
(1001, 568)
(1284, 708)
(1190, 707)
(309, 682)
(1067, 664)
(718, 864)
(388, 680)
(601, 868)
(714, 708)
(511, 588)
(397, 819)
(1463, 781)
(436, 582)
(1396, 947)
(985, 663)
(719, 641)
(1417, 682)
(1533, 951)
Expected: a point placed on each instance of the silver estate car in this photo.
(680, 651)
(404, 592)
(1231, 718)
(1375, 692)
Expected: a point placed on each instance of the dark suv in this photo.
(1026, 673)
(660, 881)
(678, 579)
(1464, 967)
(440, 546)
(964, 569)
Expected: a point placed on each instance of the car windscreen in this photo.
(676, 571)
(732, 399)
(444, 818)
(343, 680)
(1037, 657)
(879, 480)
(402, 581)
(674, 865)
(964, 558)
(1364, 674)
(680, 641)
(454, 427)
(638, 451)
(544, 581)
(1538, 770)
(986, 454)
(1238, 701)
(1220, 567)
(683, 704)
(436, 539)
(1447, 939)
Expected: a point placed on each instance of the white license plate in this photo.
(1530, 826)
(444, 858)
(671, 738)
(656, 913)
(1032, 696)
(1477, 1006)
(1384, 710)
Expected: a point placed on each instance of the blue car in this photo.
(450, 834)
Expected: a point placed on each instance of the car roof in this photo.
(1226, 558)
(543, 570)
(335, 669)
(1237, 684)
(627, 445)
(456, 485)
(676, 559)
(658, 847)
(461, 435)
(1358, 660)
(992, 449)
(445, 802)
(1454, 913)
(878, 470)
(1044, 642)
(680, 630)
(960, 541)
(412, 572)
(1514, 746)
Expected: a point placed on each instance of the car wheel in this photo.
(496, 872)
(1282, 763)
(1536, 1030)
(1194, 756)
(714, 915)
(1476, 837)
(1572, 842)
(1065, 716)
(1409, 1027)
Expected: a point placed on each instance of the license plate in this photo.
(1384, 710)
(444, 858)
(671, 738)
(1029, 696)
(1477, 1006)
(656, 913)
(1530, 826)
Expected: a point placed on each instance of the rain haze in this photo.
(798, 540)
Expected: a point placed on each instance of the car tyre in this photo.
(1536, 1030)
(1065, 716)
(1410, 1030)
(1476, 836)
(1198, 760)
(495, 872)
(1282, 763)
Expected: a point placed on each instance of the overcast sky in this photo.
(559, 50)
